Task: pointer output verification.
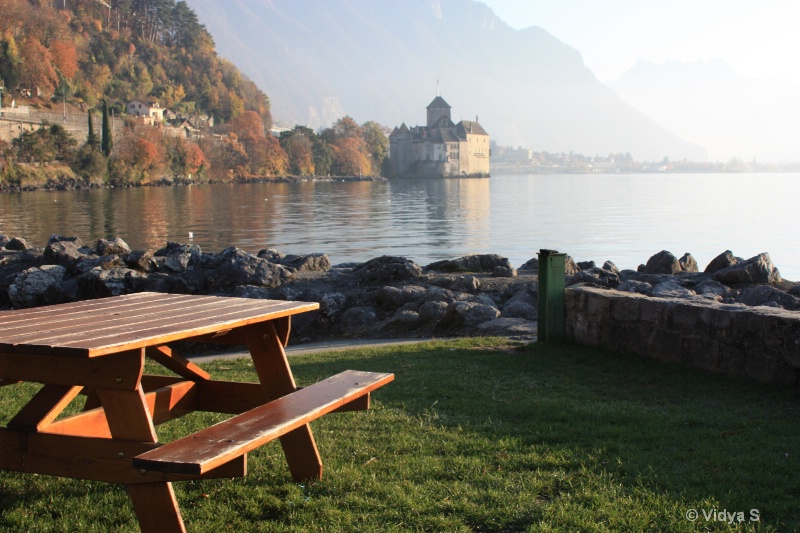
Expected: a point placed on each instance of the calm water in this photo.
(624, 218)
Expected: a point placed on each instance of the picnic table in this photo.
(98, 348)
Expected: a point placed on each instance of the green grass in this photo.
(478, 435)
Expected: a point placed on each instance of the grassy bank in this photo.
(478, 435)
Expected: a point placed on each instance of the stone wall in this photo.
(757, 342)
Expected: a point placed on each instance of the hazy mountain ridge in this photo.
(709, 103)
(318, 60)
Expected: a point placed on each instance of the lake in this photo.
(624, 218)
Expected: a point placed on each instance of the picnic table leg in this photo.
(266, 342)
(155, 504)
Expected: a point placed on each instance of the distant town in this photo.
(507, 160)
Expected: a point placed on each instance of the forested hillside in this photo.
(88, 55)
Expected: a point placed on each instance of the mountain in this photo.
(385, 60)
(708, 103)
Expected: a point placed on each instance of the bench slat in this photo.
(218, 444)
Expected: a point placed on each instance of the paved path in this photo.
(312, 347)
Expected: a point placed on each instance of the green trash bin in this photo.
(551, 294)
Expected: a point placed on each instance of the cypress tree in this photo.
(91, 140)
(107, 143)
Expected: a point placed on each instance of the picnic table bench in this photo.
(98, 348)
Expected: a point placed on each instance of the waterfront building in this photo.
(441, 148)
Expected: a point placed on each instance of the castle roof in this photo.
(438, 103)
(469, 127)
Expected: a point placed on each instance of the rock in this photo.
(270, 254)
(386, 268)
(306, 263)
(595, 276)
(357, 319)
(389, 297)
(100, 283)
(570, 268)
(470, 263)
(520, 309)
(631, 285)
(469, 284)
(662, 263)
(688, 263)
(106, 262)
(508, 327)
(586, 265)
(141, 260)
(795, 290)
(112, 246)
(531, 265)
(234, 266)
(38, 286)
(758, 269)
(767, 295)
(17, 244)
(611, 267)
(433, 311)
(404, 319)
(503, 272)
(3, 240)
(670, 289)
(712, 288)
(467, 314)
(63, 250)
(724, 260)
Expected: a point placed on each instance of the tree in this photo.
(107, 142)
(65, 58)
(377, 144)
(91, 139)
(37, 66)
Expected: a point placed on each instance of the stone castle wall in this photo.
(757, 342)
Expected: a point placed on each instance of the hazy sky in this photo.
(759, 38)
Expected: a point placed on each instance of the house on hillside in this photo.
(441, 148)
(151, 112)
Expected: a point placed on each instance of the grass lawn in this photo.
(480, 435)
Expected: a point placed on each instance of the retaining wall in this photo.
(757, 342)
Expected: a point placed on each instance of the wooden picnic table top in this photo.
(99, 327)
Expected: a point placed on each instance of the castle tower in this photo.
(437, 109)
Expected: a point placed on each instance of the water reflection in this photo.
(625, 218)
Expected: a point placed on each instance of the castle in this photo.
(440, 149)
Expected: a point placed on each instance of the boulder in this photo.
(670, 289)
(570, 268)
(768, 295)
(389, 297)
(386, 268)
(504, 272)
(632, 285)
(17, 244)
(469, 284)
(306, 263)
(520, 309)
(100, 283)
(611, 267)
(531, 265)
(712, 288)
(662, 263)
(724, 260)
(586, 265)
(470, 263)
(142, 260)
(112, 246)
(357, 320)
(234, 266)
(467, 314)
(688, 263)
(38, 286)
(433, 311)
(63, 250)
(595, 276)
(758, 269)
(508, 327)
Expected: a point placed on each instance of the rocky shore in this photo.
(383, 297)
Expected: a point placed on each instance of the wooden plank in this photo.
(127, 415)
(115, 371)
(96, 459)
(158, 332)
(110, 321)
(163, 404)
(213, 446)
(9, 318)
(180, 365)
(156, 508)
(44, 407)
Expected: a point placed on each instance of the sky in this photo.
(759, 38)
